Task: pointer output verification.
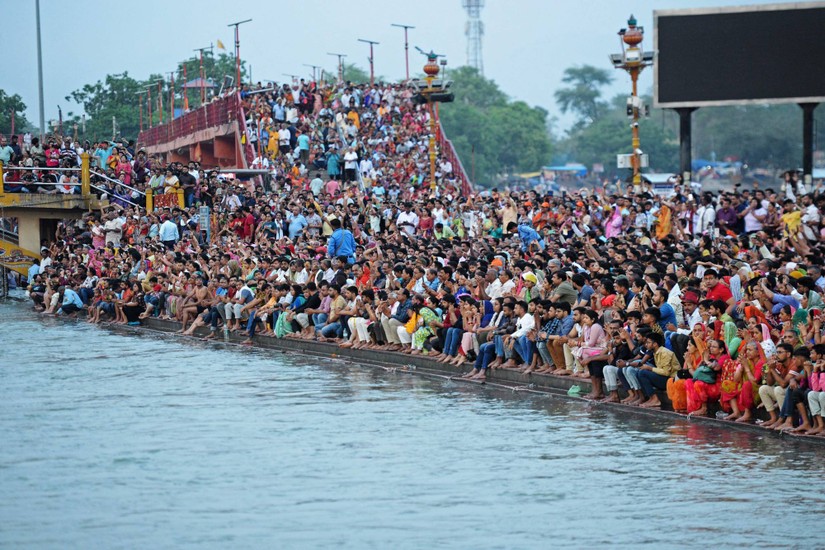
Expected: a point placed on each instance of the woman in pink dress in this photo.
(613, 224)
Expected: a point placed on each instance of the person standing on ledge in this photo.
(341, 243)
(168, 233)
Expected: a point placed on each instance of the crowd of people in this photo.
(714, 300)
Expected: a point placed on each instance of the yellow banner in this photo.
(16, 258)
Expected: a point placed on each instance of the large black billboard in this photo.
(749, 54)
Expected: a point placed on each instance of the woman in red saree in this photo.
(706, 382)
(740, 389)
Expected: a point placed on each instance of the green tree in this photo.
(763, 135)
(493, 135)
(610, 135)
(215, 69)
(352, 73)
(583, 96)
(8, 104)
(112, 106)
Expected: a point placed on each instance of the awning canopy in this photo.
(199, 83)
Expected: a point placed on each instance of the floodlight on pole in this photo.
(406, 45)
(341, 57)
(314, 67)
(238, 50)
(40, 73)
(201, 72)
(371, 59)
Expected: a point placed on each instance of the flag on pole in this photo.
(220, 45)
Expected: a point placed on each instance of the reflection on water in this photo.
(148, 440)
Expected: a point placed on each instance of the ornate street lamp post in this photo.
(431, 92)
(633, 60)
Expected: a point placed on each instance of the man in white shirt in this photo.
(168, 233)
(705, 217)
(690, 307)
(284, 135)
(493, 288)
(114, 230)
(519, 341)
(407, 220)
(316, 185)
(507, 282)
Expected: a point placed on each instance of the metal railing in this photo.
(112, 197)
(220, 111)
(116, 182)
(448, 151)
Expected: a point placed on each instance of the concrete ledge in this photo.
(512, 381)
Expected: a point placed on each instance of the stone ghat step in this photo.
(505, 380)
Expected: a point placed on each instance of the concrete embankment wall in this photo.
(506, 380)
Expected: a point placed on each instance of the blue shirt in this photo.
(566, 325)
(585, 294)
(668, 316)
(341, 243)
(781, 300)
(303, 142)
(296, 225)
(71, 297)
(402, 314)
(34, 270)
(528, 236)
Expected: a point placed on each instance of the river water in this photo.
(121, 440)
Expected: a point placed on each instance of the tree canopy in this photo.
(583, 96)
(9, 103)
(759, 135)
(492, 134)
(121, 96)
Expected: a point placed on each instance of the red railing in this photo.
(448, 152)
(247, 149)
(222, 111)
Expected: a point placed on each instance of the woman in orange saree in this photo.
(707, 380)
(676, 389)
(664, 225)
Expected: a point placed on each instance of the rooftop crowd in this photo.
(706, 298)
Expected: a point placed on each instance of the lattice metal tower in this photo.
(474, 31)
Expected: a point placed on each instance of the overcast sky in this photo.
(526, 46)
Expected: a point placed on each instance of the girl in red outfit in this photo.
(739, 389)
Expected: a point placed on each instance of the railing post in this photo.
(2, 181)
(85, 175)
(149, 201)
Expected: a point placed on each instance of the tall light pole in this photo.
(40, 73)
(372, 59)
(238, 51)
(160, 100)
(406, 46)
(171, 95)
(341, 57)
(633, 60)
(201, 73)
(140, 104)
(313, 70)
(149, 104)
